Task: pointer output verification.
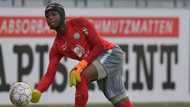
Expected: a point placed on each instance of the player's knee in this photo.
(125, 102)
(90, 73)
(101, 73)
(117, 99)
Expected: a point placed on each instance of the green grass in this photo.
(163, 105)
(109, 105)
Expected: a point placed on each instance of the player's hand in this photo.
(74, 78)
(76, 71)
(35, 96)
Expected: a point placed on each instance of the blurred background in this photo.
(154, 34)
(100, 3)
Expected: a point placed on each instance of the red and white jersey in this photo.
(80, 41)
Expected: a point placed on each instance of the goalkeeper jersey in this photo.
(80, 41)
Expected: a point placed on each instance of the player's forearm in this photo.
(48, 78)
(44, 84)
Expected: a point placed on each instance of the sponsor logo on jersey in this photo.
(77, 35)
(79, 50)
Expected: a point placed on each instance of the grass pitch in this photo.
(109, 105)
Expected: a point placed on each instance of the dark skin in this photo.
(53, 19)
(91, 74)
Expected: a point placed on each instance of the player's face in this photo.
(53, 19)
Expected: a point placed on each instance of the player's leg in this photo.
(114, 91)
(112, 85)
(81, 95)
(125, 102)
(94, 71)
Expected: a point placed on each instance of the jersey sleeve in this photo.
(49, 76)
(94, 39)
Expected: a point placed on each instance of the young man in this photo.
(98, 59)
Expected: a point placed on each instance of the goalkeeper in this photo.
(98, 59)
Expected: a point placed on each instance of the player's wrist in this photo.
(83, 64)
(36, 91)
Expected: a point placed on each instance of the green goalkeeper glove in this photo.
(35, 96)
(76, 71)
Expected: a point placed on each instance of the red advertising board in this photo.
(27, 26)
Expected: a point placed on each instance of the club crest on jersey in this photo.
(79, 50)
(85, 30)
(77, 35)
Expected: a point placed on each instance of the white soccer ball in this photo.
(20, 94)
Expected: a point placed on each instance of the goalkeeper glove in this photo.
(76, 71)
(35, 96)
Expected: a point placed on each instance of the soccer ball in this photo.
(20, 94)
